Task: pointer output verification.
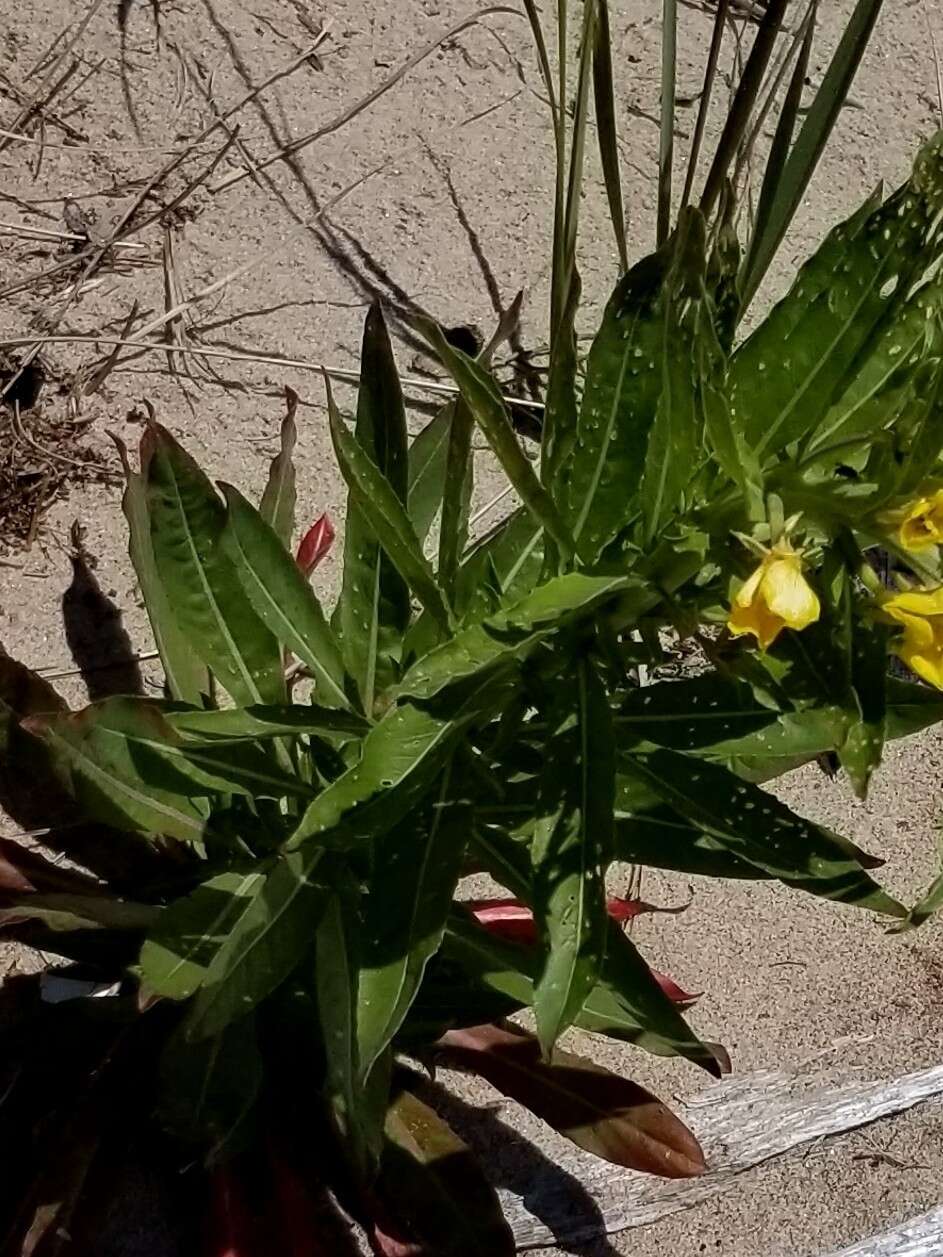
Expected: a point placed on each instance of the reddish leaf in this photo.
(673, 991)
(605, 1114)
(505, 918)
(12, 878)
(510, 919)
(315, 544)
(432, 1194)
(230, 1229)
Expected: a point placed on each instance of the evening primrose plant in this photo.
(275, 924)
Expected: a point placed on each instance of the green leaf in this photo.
(758, 828)
(628, 1004)
(431, 1182)
(251, 724)
(281, 596)
(187, 679)
(805, 153)
(456, 500)
(386, 515)
(620, 400)
(861, 751)
(784, 379)
(97, 755)
(673, 440)
(571, 851)
(693, 713)
(337, 966)
(220, 627)
(654, 835)
(927, 906)
(561, 411)
(77, 912)
(373, 611)
(512, 555)
(209, 1089)
(277, 506)
(275, 928)
(911, 707)
(401, 756)
(428, 453)
(413, 876)
(894, 380)
(190, 932)
(483, 398)
(513, 633)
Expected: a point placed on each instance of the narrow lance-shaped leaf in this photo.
(190, 931)
(428, 453)
(187, 678)
(221, 628)
(104, 771)
(786, 376)
(675, 432)
(757, 827)
(386, 515)
(208, 1089)
(281, 596)
(277, 506)
(337, 966)
(373, 610)
(456, 498)
(274, 930)
(431, 1183)
(483, 399)
(620, 399)
(571, 851)
(401, 756)
(603, 1113)
(250, 724)
(413, 875)
(513, 633)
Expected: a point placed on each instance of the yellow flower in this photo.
(775, 597)
(920, 613)
(919, 523)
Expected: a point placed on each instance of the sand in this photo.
(454, 167)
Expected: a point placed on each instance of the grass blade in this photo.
(808, 147)
(710, 74)
(666, 143)
(606, 127)
(741, 107)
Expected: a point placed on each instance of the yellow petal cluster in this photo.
(918, 523)
(919, 612)
(776, 596)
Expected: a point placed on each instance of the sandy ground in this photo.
(443, 205)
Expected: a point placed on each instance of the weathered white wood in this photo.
(741, 1122)
(917, 1237)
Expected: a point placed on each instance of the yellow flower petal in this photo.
(775, 596)
(788, 594)
(916, 602)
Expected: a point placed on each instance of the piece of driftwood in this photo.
(740, 1122)
(917, 1237)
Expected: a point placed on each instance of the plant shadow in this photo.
(95, 633)
(547, 1191)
